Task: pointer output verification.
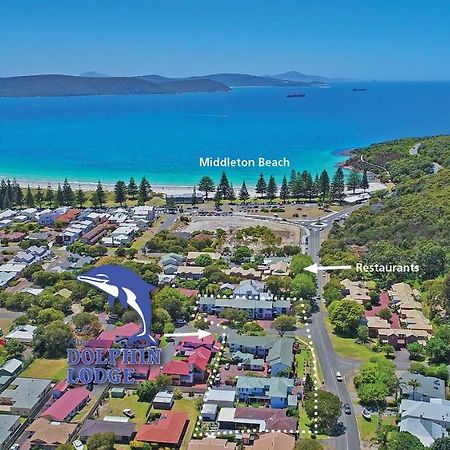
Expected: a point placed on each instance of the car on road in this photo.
(339, 376)
(128, 413)
(309, 320)
(347, 408)
(15, 447)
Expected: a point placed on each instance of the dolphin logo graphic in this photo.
(129, 288)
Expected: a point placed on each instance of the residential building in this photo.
(275, 390)
(248, 274)
(209, 412)
(184, 199)
(248, 361)
(9, 423)
(401, 337)
(168, 429)
(356, 291)
(426, 420)
(69, 404)
(189, 272)
(404, 297)
(261, 419)
(375, 324)
(281, 356)
(123, 431)
(22, 333)
(274, 441)
(192, 256)
(24, 396)
(48, 435)
(163, 400)
(211, 444)
(220, 397)
(60, 388)
(427, 387)
(11, 367)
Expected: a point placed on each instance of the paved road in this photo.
(329, 360)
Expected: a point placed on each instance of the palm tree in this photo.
(414, 384)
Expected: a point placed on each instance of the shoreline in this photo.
(171, 189)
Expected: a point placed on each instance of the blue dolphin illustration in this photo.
(129, 288)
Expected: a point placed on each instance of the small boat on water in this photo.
(359, 89)
(296, 94)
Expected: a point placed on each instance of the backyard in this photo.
(52, 369)
(115, 406)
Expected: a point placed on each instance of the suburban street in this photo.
(329, 360)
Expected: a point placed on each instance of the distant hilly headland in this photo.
(94, 83)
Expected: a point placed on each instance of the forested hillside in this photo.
(409, 225)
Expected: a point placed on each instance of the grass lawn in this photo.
(52, 369)
(304, 424)
(139, 243)
(187, 405)
(368, 428)
(305, 356)
(347, 347)
(5, 325)
(115, 406)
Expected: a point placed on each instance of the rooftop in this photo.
(168, 429)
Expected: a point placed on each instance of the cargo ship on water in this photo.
(296, 94)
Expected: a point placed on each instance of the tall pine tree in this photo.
(243, 193)
(284, 190)
(80, 197)
(120, 192)
(272, 188)
(39, 197)
(49, 196)
(143, 194)
(29, 198)
(101, 196)
(261, 186)
(324, 186)
(68, 194)
(132, 189)
(364, 181)
(338, 186)
(59, 197)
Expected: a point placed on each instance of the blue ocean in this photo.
(163, 136)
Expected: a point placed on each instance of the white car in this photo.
(15, 447)
(128, 413)
(77, 445)
(339, 376)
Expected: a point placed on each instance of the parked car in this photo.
(17, 446)
(77, 445)
(347, 408)
(227, 366)
(339, 376)
(240, 366)
(367, 414)
(128, 413)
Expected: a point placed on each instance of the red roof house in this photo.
(67, 405)
(189, 343)
(60, 388)
(120, 333)
(169, 429)
(198, 360)
(180, 371)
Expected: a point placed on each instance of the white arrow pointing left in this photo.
(201, 334)
(315, 268)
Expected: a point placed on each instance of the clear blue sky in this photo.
(364, 39)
